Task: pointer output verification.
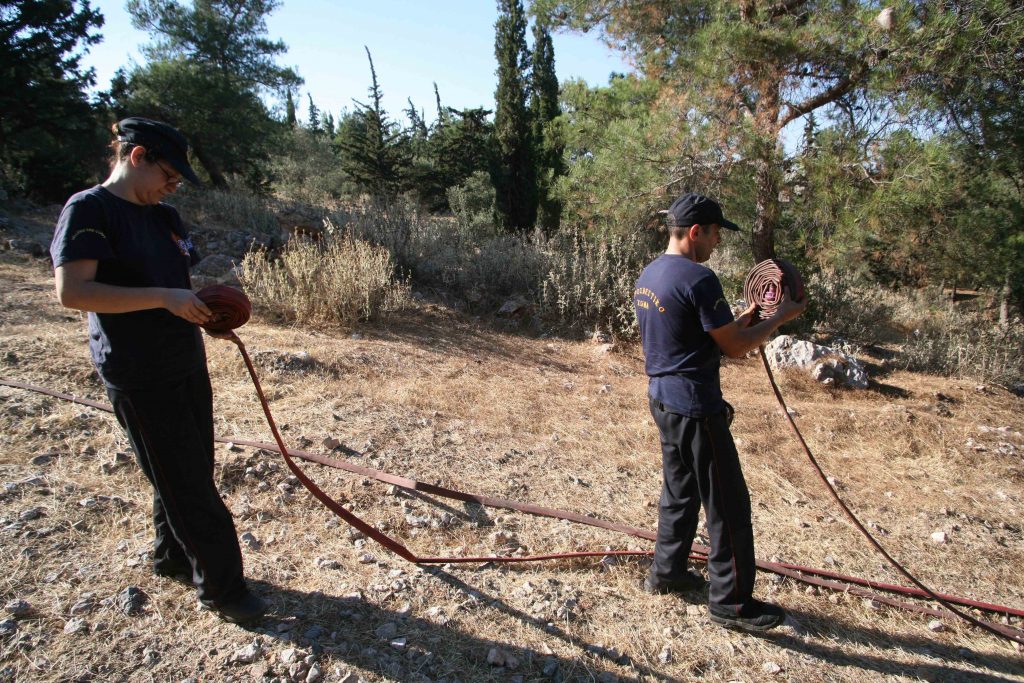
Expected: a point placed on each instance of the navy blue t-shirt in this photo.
(676, 302)
(134, 246)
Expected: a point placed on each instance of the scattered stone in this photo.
(936, 626)
(330, 443)
(387, 631)
(665, 656)
(872, 604)
(248, 654)
(366, 558)
(771, 668)
(131, 600)
(292, 655)
(399, 643)
(324, 563)
(85, 604)
(939, 537)
(8, 627)
(496, 657)
(76, 625)
(18, 608)
(314, 632)
(30, 514)
(43, 459)
(250, 540)
(315, 674)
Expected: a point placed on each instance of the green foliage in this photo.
(374, 149)
(548, 138)
(50, 138)
(304, 169)
(472, 203)
(460, 144)
(208, 66)
(514, 173)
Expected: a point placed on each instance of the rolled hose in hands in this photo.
(231, 308)
(764, 285)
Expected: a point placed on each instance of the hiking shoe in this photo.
(247, 608)
(688, 583)
(757, 616)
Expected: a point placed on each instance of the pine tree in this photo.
(375, 151)
(514, 174)
(49, 136)
(314, 117)
(544, 110)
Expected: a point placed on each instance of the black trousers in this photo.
(170, 428)
(700, 465)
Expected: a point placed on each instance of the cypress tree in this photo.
(514, 175)
(314, 116)
(289, 116)
(544, 110)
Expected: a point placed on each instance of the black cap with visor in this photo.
(158, 137)
(696, 209)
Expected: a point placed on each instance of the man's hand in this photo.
(746, 318)
(789, 309)
(184, 304)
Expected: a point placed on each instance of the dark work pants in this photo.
(170, 428)
(700, 465)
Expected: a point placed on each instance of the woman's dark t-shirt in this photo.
(134, 246)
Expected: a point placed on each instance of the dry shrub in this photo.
(340, 280)
(236, 208)
(589, 282)
(958, 344)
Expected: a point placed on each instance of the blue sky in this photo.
(414, 43)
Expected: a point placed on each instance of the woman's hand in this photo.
(184, 304)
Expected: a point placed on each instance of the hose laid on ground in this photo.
(231, 309)
(809, 575)
(764, 286)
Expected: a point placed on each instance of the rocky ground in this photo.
(935, 467)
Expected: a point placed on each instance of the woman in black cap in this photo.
(123, 256)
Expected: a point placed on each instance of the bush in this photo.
(472, 203)
(341, 280)
(589, 283)
(956, 344)
(235, 208)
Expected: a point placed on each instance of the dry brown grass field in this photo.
(442, 397)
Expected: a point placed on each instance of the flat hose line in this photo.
(232, 309)
(766, 285)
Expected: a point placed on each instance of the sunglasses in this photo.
(171, 178)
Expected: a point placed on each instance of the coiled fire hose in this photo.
(232, 309)
(765, 286)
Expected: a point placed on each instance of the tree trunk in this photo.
(216, 177)
(1004, 303)
(766, 216)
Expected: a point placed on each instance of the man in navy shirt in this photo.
(685, 327)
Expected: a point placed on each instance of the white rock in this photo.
(665, 656)
(771, 668)
(315, 674)
(936, 626)
(824, 363)
(939, 537)
(495, 657)
(76, 625)
(248, 654)
(291, 655)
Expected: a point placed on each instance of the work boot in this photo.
(689, 582)
(241, 610)
(755, 616)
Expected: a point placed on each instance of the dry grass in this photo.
(436, 396)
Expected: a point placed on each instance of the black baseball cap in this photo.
(696, 209)
(166, 141)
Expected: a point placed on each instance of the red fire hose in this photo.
(765, 286)
(232, 309)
